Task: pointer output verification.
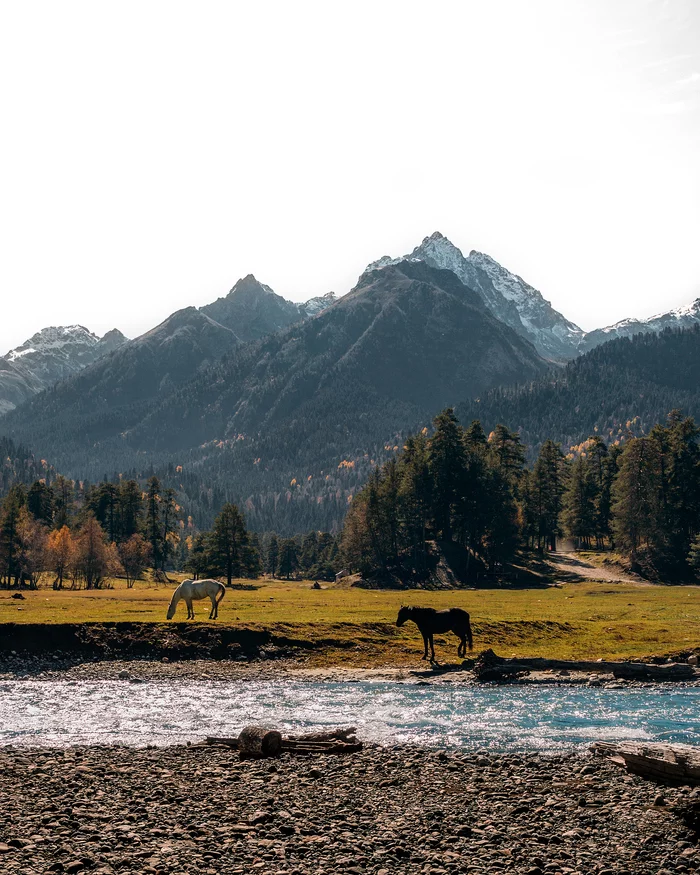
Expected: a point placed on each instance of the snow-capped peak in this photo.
(54, 337)
(506, 295)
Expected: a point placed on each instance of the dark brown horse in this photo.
(431, 622)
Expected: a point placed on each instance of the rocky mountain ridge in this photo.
(523, 308)
(682, 317)
(52, 354)
(507, 296)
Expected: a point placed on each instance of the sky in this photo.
(154, 152)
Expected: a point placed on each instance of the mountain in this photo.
(682, 317)
(50, 355)
(115, 392)
(620, 388)
(289, 425)
(507, 296)
(252, 310)
(317, 305)
(15, 386)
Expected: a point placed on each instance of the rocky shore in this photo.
(69, 667)
(383, 811)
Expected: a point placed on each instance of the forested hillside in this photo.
(19, 465)
(621, 388)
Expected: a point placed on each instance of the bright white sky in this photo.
(153, 152)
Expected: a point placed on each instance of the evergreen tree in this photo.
(228, 543)
(272, 556)
(636, 494)
(446, 465)
(40, 502)
(130, 509)
(544, 493)
(153, 527)
(288, 558)
(579, 508)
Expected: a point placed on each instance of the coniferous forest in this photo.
(460, 487)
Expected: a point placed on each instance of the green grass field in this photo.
(355, 626)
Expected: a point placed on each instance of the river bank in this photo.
(382, 811)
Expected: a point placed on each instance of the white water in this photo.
(60, 713)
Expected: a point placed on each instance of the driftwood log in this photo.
(490, 667)
(668, 763)
(257, 742)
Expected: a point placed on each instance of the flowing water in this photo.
(449, 716)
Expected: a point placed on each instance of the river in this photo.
(546, 718)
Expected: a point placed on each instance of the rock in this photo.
(660, 799)
(124, 675)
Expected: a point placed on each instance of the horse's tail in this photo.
(470, 640)
(222, 593)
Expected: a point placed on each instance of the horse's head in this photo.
(173, 604)
(404, 614)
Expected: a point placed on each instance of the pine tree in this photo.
(446, 464)
(228, 542)
(153, 528)
(40, 502)
(288, 559)
(545, 490)
(636, 494)
(579, 511)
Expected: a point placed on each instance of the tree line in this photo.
(85, 534)
(461, 487)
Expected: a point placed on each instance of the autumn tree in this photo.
(134, 555)
(95, 558)
(61, 550)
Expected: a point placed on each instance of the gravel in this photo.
(382, 811)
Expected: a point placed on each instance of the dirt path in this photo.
(570, 567)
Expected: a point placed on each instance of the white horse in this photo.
(193, 590)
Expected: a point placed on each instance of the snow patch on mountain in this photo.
(317, 305)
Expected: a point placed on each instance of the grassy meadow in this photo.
(356, 626)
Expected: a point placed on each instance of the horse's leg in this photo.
(425, 645)
(432, 648)
(212, 613)
(462, 646)
(190, 609)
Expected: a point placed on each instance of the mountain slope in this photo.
(619, 388)
(52, 354)
(506, 295)
(114, 393)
